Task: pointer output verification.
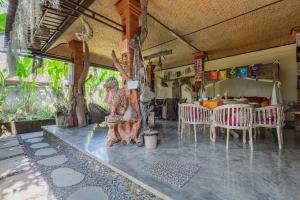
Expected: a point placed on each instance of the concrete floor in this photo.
(265, 173)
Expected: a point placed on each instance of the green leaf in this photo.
(24, 67)
(2, 21)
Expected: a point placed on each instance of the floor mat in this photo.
(176, 173)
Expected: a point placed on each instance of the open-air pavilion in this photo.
(206, 106)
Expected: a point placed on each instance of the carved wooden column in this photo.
(130, 11)
(199, 71)
(78, 58)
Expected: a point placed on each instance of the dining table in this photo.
(212, 104)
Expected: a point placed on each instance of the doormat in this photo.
(176, 173)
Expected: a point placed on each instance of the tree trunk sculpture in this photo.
(81, 108)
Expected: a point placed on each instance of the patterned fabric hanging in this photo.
(232, 73)
(243, 72)
(213, 75)
(255, 70)
(198, 64)
(223, 74)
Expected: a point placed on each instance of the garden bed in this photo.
(26, 126)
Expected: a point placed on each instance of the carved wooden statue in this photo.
(125, 119)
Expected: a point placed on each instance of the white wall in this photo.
(287, 74)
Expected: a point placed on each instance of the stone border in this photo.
(19, 127)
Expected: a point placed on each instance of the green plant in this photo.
(3, 3)
(58, 72)
(94, 85)
(29, 93)
(4, 91)
(2, 22)
(29, 88)
(44, 112)
(24, 67)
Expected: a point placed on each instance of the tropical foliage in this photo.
(4, 89)
(2, 3)
(94, 85)
(2, 22)
(58, 90)
(28, 87)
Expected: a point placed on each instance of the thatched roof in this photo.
(219, 27)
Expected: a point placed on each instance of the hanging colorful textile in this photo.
(223, 74)
(232, 73)
(255, 70)
(213, 75)
(199, 67)
(243, 72)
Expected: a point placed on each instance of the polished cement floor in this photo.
(265, 173)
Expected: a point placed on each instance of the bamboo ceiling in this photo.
(219, 27)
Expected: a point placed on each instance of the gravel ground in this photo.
(116, 186)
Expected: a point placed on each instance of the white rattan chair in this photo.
(236, 117)
(270, 117)
(192, 114)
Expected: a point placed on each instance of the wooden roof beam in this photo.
(176, 35)
(93, 15)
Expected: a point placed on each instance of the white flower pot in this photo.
(151, 139)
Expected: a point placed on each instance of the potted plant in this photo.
(62, 115)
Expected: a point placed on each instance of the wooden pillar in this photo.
(296, 35)
(199, 71)
(130, 11)
(78, 61)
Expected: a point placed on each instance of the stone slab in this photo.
(27, 185)
(45, 152)
(64, 177)
(88, 193)
(11, 151)
(9, 143)
(53, 161)
(7, 138)
(31, 135)
(39, 145)
(34, 140)
(13, 165)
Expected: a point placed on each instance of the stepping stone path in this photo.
(21, 181)
(45, 152)
(34, 140)
(88, 193)
(39, 145)
(53, 161)
(63, 177)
